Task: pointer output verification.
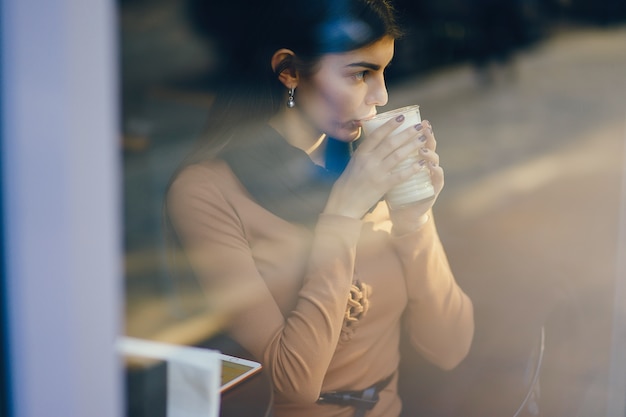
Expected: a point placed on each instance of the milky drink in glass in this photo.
(418, 187)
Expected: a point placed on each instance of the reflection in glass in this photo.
(533, 153)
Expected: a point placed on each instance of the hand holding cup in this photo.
(419, 186)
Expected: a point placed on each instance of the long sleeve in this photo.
(439, 318)
(297, 347)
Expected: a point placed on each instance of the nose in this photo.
(377, 94)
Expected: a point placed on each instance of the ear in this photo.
(283, 66)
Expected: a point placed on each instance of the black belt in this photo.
(362, 401)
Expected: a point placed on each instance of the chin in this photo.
(347, 135)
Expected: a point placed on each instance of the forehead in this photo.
(378, 53)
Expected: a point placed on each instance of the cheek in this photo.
(341, 101)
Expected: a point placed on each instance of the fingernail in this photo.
(422, 138)
(418, 126)
(422, 162)
(400, 118)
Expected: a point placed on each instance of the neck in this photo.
(298, 132)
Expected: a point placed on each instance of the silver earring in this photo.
(290, 101)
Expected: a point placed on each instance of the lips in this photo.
(353, 124)
(362, 119)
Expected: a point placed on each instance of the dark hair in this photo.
(248, 32)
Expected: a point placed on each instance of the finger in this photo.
(392, 157)
(398, 145)
(429, 156)
(403, 172)
(413, 146)
(436, 177)
(376, 136)
(427, 135)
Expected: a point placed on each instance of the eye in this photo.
(359, 76)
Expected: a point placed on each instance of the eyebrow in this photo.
(373, 67)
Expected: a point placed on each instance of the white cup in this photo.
(418, 187)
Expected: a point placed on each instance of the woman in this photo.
(280, 206)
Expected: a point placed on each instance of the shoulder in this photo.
(210, 181)
(201, 176)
